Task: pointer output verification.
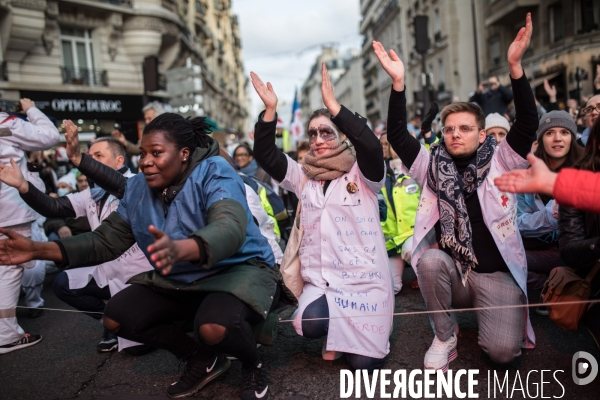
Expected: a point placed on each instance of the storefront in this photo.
(95, 114)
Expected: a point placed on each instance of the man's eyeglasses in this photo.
(591, 109)
(462, 129)
(326, 133)
(241, 155)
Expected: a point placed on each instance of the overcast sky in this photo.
(281, 40)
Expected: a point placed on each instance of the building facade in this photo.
(450, 61)
(85, 59)
(311, 98)
(349, 87)
(565, 47)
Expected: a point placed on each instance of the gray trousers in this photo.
(500, 331)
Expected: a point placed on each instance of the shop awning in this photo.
(540, 81)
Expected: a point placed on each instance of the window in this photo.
(555, 23)
(76, 48)
(495, 56)
(436, 22)
(78, 58)
(587, 15)
(441, 73)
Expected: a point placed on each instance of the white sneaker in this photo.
(440, 354)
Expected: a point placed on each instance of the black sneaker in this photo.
(255, 382)
(108, 343)
(25, 341)
(197, 374)
(35, 312)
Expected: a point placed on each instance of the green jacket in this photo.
(399, 223)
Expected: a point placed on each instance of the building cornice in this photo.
(547, 56)
(37, 5)
(147, 10)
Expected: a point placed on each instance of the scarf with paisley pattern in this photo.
(452, 190)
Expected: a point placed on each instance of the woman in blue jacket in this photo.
(537, 214)
(189, 215)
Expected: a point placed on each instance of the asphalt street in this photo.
(65, 365)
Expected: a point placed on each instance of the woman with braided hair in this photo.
(188, 213)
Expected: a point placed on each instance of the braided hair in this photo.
(183, 132)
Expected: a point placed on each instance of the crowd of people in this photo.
(482, 199)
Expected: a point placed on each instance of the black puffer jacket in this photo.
(579, 239)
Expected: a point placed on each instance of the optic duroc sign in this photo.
(86, 105)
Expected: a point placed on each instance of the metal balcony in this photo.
(84, 77)
(127, 3)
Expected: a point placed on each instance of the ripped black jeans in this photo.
(147, 316)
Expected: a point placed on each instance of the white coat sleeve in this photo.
(294, 177)
(80, 201)
(37, 134)
(418, 170)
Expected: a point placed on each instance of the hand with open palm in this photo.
(391, 64)
(327, 92)
(537, 179)
(13, 176)
(15, 249)
(518, 48)
(72, 139)
(267, 95)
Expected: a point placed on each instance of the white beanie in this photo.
(495, 120)
(70, 179)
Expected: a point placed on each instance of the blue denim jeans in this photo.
(317, 329)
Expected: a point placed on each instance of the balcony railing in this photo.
(84, 77)
(3, 71)
(128, 3)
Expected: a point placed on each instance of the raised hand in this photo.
(518, 48)
(327, 92)
(267, 95)
(164, 251)
(72, 139)
(16, 249)
(26, 104)
(119, 136)
(537, 179)
(13, 176)
(391, 64)
(550, 91)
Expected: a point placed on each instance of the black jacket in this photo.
(579, 239)
(493, 101)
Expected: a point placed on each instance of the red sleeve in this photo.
(578, 189)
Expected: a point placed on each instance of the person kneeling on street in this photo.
(188, 213)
